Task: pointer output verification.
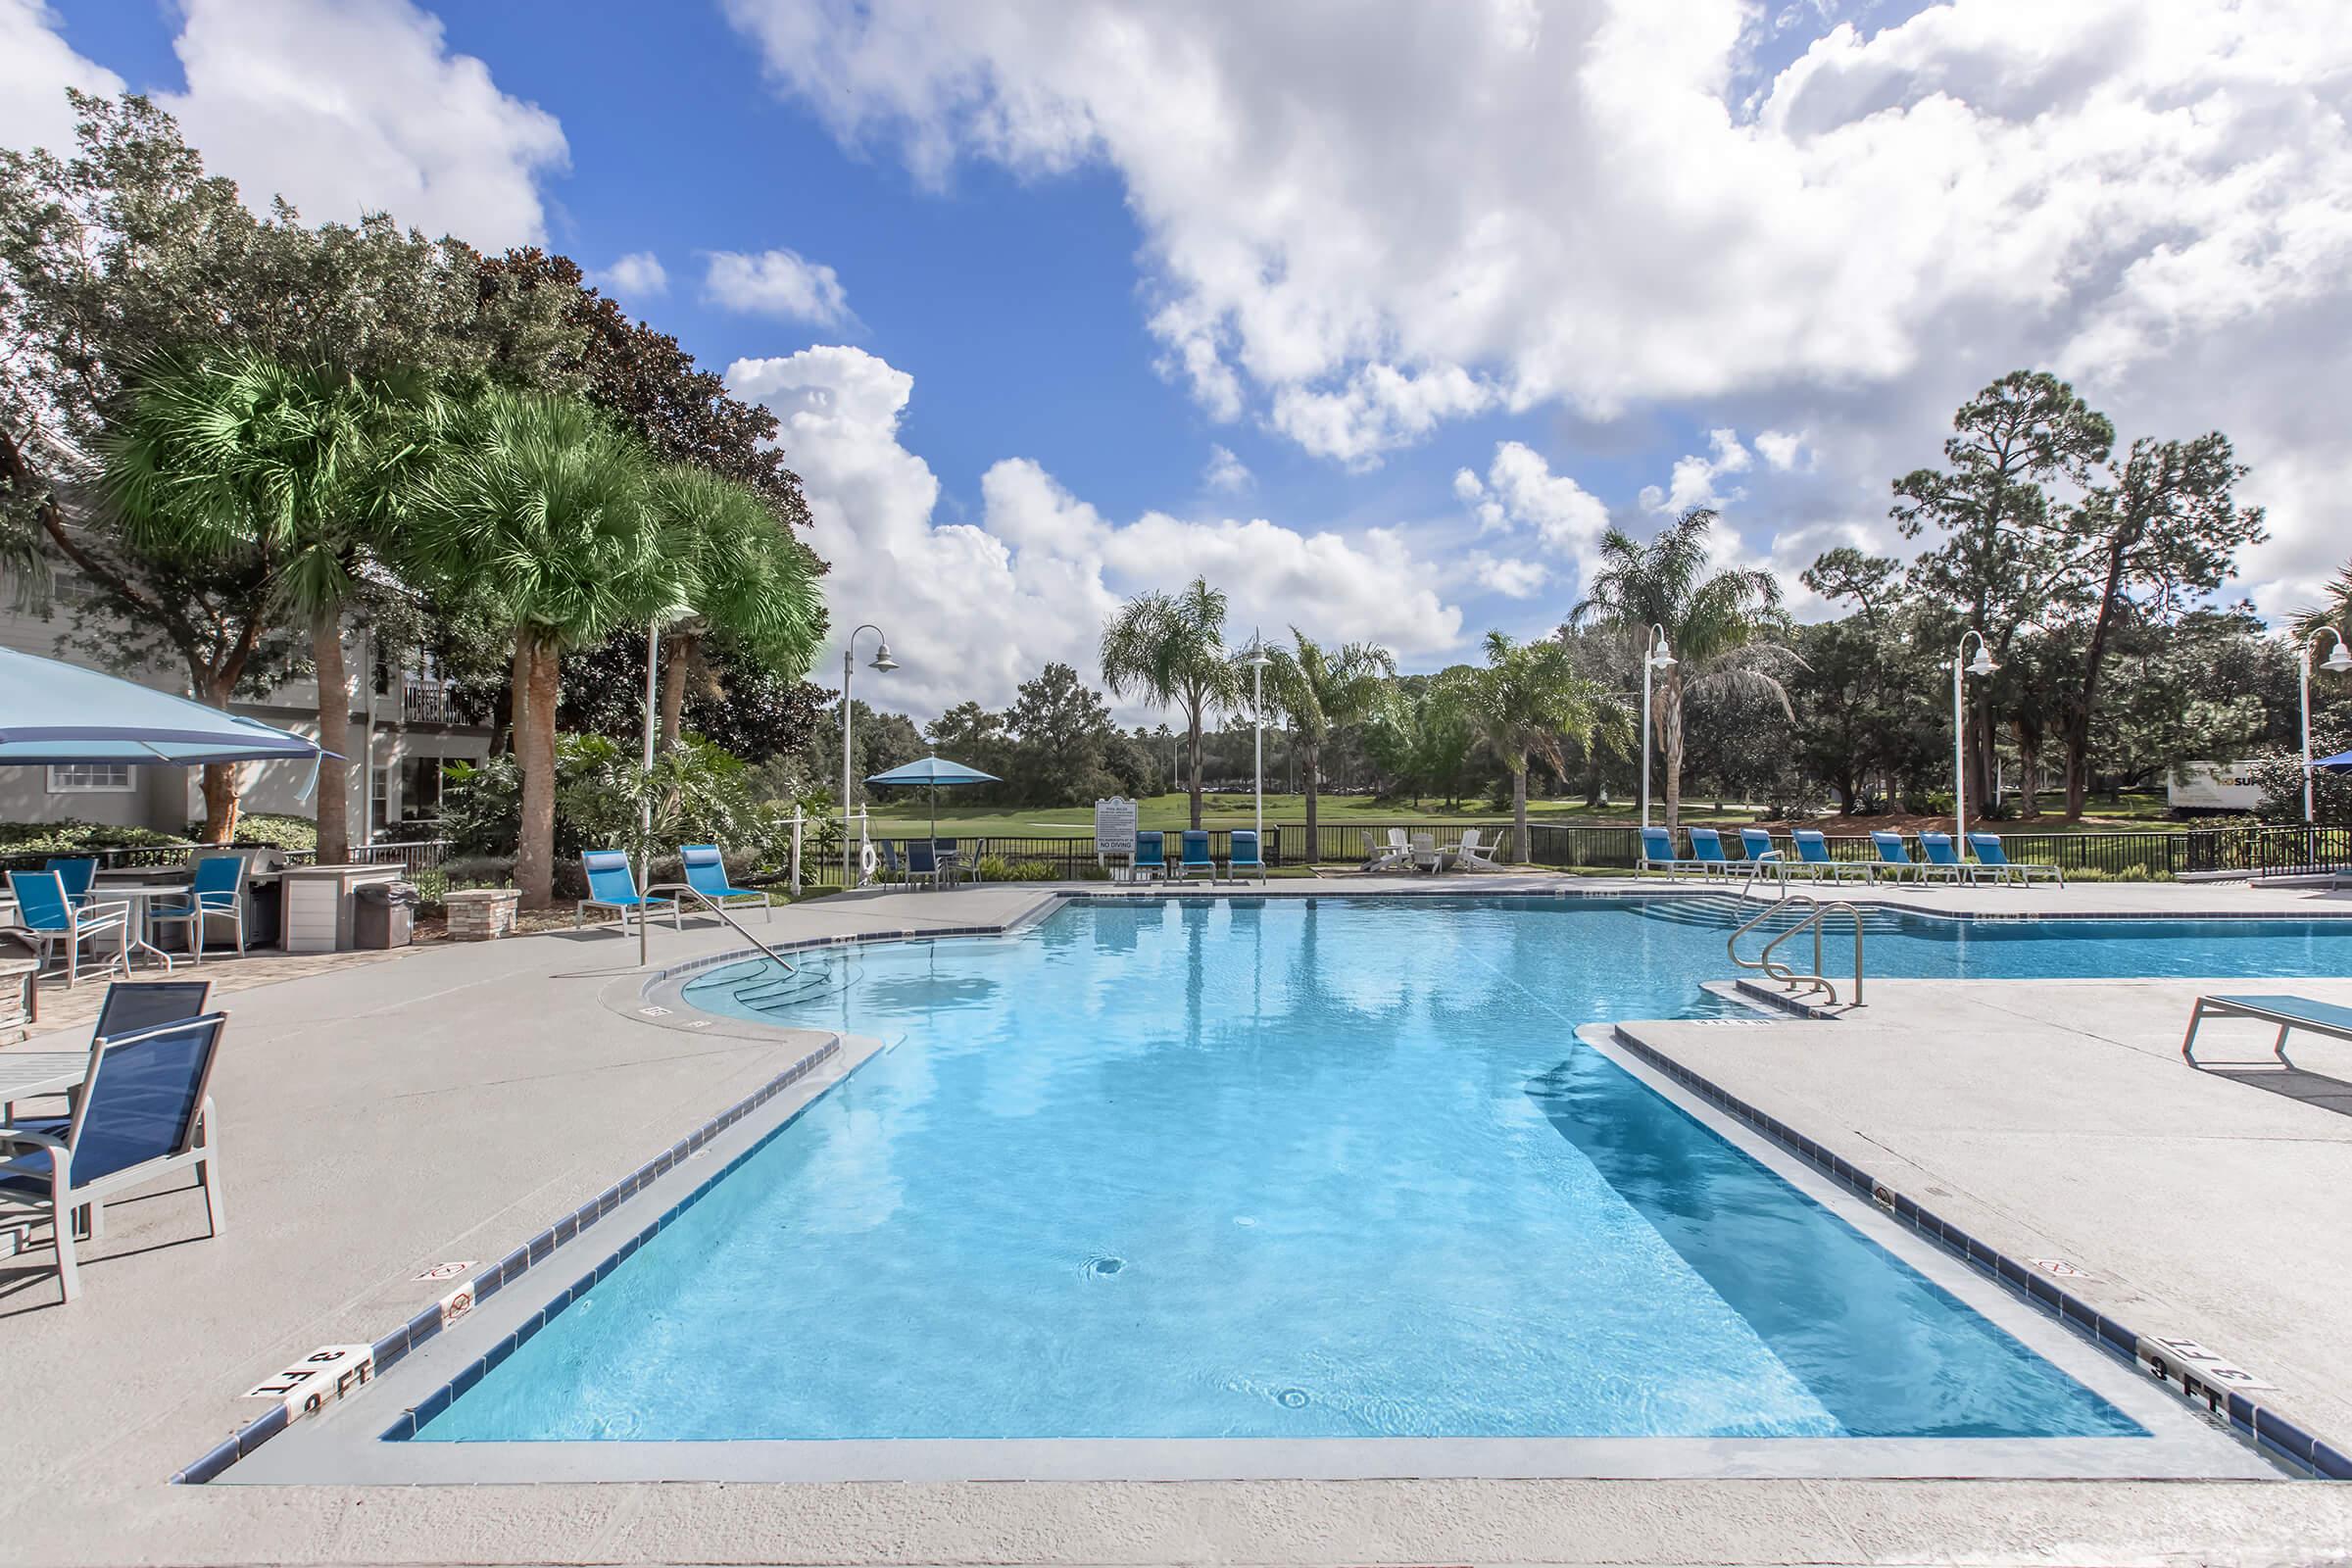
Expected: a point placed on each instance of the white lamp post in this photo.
(645, 804)
(883, 665)
(1983, 664)
(2337, 663)
(1655, 658)
(1258, 663)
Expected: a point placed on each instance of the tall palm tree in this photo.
(234, 451)
(543, 508)
(744, 575)
(1171, 649)
(1319, 690)
(1523, 705)
(2333, 610)
(1716, 624)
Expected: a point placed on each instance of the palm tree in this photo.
(1523, 705)
(1171, 649)
(2334, 610)
(1716, 624)
(1318, 691)
(234, 451)
(544, 509)
(745, 574)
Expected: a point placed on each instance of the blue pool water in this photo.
(1238, 1169)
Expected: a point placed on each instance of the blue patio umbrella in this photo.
(2340, 763)
(934, 771)
(56, 715)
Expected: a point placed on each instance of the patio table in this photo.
(138, 895)
(25, 1074)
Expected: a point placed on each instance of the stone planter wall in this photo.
(481, 915)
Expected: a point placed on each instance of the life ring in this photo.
(866, 858)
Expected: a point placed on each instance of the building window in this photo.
(90, 778)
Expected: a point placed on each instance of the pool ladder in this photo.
(1818, 916)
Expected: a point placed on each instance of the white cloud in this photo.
(1694, 481)
(1508, 577)
(1520, 492)
(343, 106)
(36, 66)
(780, 283)
(972, 609)
(1225, 471)
(1606, 203)
(638, 276)
(1783, 451)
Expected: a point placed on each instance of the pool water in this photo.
(1278, 1168)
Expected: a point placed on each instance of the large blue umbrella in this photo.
(2340, 763)
(58, 715)
(934, 771)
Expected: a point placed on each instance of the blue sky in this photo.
(1453, 285)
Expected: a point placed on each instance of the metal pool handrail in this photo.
(1813, 921)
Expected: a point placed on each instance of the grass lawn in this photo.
(1164, 811)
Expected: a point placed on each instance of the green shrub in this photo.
(70, 837)
(273, 828)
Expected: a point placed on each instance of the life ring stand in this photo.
(866, 858)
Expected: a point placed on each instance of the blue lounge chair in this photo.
(1813, 857)
(47, 918)
(1943, 861)
(78, 873)
(612, 885)
(145, 1110)
(1150, 858)
(1894, 860)
(1707, 846)
(1993, 858)
(1241, 855)
(1196, 862)
(1758, 842)
(2289, 1013)
(707, 874)
(1657, 849)
(218, 892)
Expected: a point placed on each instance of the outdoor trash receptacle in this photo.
(383, 915)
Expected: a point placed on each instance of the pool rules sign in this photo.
(1114, 830)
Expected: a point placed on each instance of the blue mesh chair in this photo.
(1657, 851)
(612, 885)
(1241, 855)
(1894, 860)
(1813, 854)
(1150, 858)
(1757, 842)
(145, 1110)
(47, 918)
(218, 892)
(1943, 861)
(707, 874)
(1993, 857)
(922, 862)
(78, 872)
(1707, 846)
(1196, 862)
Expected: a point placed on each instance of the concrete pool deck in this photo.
(381, 1119)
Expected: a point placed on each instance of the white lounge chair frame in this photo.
(2289, 1013)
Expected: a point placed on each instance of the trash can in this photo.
(384, 915)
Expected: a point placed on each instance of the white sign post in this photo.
(1114, 834)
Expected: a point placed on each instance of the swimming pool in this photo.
(1292, 1168)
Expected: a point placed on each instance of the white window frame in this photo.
(63, 780)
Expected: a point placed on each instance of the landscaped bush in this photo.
(75, 838)
(273, 828)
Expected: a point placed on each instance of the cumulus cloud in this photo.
(1694, 483)
(1603, 205)
(972, 609)
(1507, 576)
(637, 276)
(1225, 471)
(780, 283)
(1521, 493)
(343, 106)
(1783, 451)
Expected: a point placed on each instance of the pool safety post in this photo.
(1657, 659)
(883, 664)
(2338, 663)
(1982, 665)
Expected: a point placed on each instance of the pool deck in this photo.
(446, 1106)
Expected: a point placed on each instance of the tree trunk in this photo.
(220, 802)
(1311, 764)
(1519, 810)
(535, 735)
(677, 655)
(1193, 743)
(334, 738)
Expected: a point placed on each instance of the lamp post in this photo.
(645, 803)
(2338, 663)
(883, 664)
(1258, 663)
(1983, 664)
(1656, 657)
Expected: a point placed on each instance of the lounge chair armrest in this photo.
(28, 1138)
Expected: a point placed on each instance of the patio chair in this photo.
(949, 856)
(1993, 857)
(1427, 856)
(1756, 843)
(131, 1007)
(612, 885)
(1390, 857)
(893, 868)
(1894, 860)
(1657, 849)
(1196, 862)
(1241, 855)
(143, 1111)
(707, 874)
(47, 918)
(1471, 853)
(1706, 846)
(78, 873)
(1151, 863)
(217, 893)
(1943, 861)
(2288, 1013)
(922, 862)
(1813, 857)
